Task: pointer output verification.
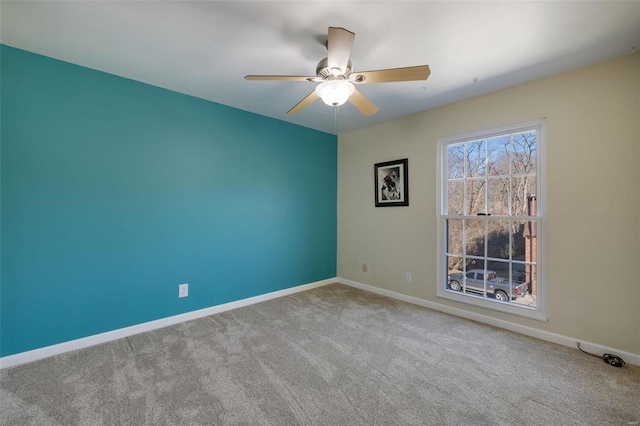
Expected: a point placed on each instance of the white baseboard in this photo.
(37, 354)
(96, 339)
(629, 357)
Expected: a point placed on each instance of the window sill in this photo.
(508, 308)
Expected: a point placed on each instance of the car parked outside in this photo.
(496, 286)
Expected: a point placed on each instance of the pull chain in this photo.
(335, 120)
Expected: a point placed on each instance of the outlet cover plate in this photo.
(183, 290)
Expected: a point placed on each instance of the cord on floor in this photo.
(613, 360)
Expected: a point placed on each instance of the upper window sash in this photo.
(477, 174)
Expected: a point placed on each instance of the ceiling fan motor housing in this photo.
(326, 73)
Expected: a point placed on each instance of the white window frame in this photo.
(539, 312)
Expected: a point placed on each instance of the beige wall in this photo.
(593, 201)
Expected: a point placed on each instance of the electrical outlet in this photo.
(365, 267)
(183, 290)
(407, 277)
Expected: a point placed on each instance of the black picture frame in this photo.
(392, 183)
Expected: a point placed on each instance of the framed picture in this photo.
(392, 183)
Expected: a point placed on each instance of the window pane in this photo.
(475, 238)
(531, 278)
(498, 156)
(454, 265)
(524, 153)
(476, 159)
(455, 279)
(473, 264)
(476, 197)
(455, 161)
(527, 274)
(455, 197)
(454, 236)
(498, 239)
(524, 241)
(471, 285)
(524, 196)
(499, 195)
(500, 269)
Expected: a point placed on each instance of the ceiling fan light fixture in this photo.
(335, 92)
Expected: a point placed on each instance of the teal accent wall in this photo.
(113, 192)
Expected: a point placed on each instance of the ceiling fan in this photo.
(337, 78)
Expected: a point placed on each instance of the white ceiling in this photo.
(205, 49)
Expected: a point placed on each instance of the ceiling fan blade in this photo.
(420, 72)
(339, 47)
(311, 98)
(280, 77)
(360, 101)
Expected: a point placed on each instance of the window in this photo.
(491, 219)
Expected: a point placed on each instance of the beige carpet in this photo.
(329, 356)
